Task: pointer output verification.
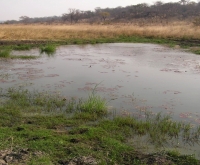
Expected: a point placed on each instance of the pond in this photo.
(132, 77)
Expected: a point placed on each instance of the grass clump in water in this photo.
(48, 49)
(5, 53)
(55, 103)
(94, 104)
(159, 130)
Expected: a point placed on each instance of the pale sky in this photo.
(13, 9)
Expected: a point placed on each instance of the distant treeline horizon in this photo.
(159, 12)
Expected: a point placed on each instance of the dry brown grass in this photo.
(82, 31)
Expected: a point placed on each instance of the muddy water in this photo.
(132, 77)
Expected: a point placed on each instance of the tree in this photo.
(77, 15)
(97, 9)
(104, 15)
(24, 19)
(158, 3)
(65, 17)
(71, 14)
(184, 2)
(74, 15)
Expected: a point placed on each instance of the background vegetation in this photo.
(140, 14)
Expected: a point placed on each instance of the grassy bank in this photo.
(47, 128)
(49, 47)
(24, 37)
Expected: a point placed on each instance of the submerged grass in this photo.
(66, 130)
(24, 57)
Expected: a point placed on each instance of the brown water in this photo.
(131, 77)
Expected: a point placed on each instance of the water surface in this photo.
(129, 76)
(132, 77)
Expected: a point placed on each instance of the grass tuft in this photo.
(94, 105)
(48, 49)
(5, 53)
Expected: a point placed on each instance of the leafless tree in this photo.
(74, 15)
(65, 17)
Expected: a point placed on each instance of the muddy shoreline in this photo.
(182, 42)
(21, 42)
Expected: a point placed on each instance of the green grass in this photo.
(50, 46)
(65, 130)
(44, 160)
(196, 51)
(22, 47)
(5, 53)
(48, 49)
(23, 57)
(94, 104)
(158, 130)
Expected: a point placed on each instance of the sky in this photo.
(13, 9)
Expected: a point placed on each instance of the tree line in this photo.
(158, 12)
